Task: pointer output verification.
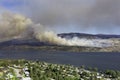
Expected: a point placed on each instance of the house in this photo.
(27, 78)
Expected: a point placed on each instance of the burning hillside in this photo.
(16, 26)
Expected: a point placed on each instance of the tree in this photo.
(95, 69)
(90, 68)
(111, 73)
(82, 66)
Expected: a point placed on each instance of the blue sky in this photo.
(12, 6)
(11, 3)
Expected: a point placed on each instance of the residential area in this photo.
(36, 70)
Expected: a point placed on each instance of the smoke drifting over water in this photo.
(17, 26)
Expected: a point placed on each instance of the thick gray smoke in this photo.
(12, 25)
(87, 15)
(17, 26)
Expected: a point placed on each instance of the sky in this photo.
(83, 16)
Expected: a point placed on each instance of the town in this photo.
(36, 70)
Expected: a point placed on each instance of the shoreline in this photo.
(62, 48)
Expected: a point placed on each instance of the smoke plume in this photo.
(89, 16)
(12, 25)
(17, 26)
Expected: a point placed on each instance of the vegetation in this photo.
(36, 70)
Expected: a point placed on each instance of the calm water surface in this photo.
(101, 60)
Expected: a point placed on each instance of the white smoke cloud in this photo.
(51, 37)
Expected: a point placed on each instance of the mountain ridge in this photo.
(82, 35)
(34, 42)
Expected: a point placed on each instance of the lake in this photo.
(102, 61)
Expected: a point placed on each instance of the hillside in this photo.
(35, 44)
(89, 36)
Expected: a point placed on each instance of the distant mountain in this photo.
(34, 42)
(84, 35)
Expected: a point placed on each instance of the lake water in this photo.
(100, 60)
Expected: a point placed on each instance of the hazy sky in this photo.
(88, 16)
